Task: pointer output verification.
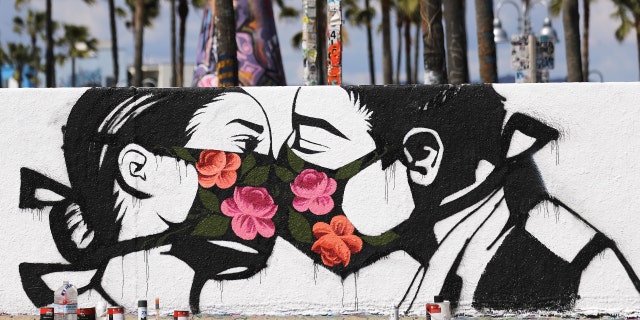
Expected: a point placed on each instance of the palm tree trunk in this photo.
(399, 22)
(227, 65)
(49, 58)
(73, 72)
(416, 50)
(183, 11)
(636, 17)
(114, 42)
(138, 25)
(407, 48)
(19, 69)
(486, 44)
(586, 11)
(372, 71)
(35, 56)
(454, 16)
(173, 44)
(435, 68)
(571, 23)
(387, 59)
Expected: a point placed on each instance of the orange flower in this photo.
(336, 242)
(217, 168)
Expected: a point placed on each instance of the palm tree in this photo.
(183, 12)
(2, 61)
(409, 12)
(557, 7)
(50, 69)
(113, 11)
(78, 44)
(586, 13)
(49, 58)
(399, 25)
(623, 9)
(486, 44)
(50, 28)
(174, 67)
(359, 17)
(227, 68)
(143, 13)
(387, 59)
(138, 27)
(433, 38)
(18, 55)
(454, 16)
(571, 24)
(34, 26)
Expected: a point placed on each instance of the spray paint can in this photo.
(115, 313)
(440, 309)
(142, 309)
(46, 313)
(86, 313)
(180, 315)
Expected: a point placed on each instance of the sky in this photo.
(615, 61)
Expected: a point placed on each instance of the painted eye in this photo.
(246, 143)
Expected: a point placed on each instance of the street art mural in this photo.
(259, 60)
(311, 200)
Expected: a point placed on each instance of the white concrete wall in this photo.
(593, 168)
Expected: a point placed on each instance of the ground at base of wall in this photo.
(327, 317)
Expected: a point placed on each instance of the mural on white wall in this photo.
(230, 184)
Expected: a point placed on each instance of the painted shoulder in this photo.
(559, 230)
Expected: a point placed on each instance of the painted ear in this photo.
(423, 153)
(523, 136)
(135, 164)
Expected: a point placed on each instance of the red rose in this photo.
(336, 242)
(217, 168)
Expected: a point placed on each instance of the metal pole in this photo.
(533, 70)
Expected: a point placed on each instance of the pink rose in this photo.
(313, 190)
(251, 209)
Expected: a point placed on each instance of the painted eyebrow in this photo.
(253, 126)
(301, 120)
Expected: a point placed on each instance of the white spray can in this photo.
(440, 309)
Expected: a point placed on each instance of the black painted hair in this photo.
(468, 119)
(102, 122)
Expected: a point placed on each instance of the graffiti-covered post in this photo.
(334, 41)
(227, 65)
(258, 48)
(309, 44)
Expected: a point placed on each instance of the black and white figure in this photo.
(209, 183)
(132, 192)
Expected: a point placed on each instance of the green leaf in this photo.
(209, 200)
(257, 176)
(284, 174)
(295, 162)
(183, 154)
(299, 227)
(212, 226)
(247, 164)
(349, 170)
(276, 191)
(382, 239)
